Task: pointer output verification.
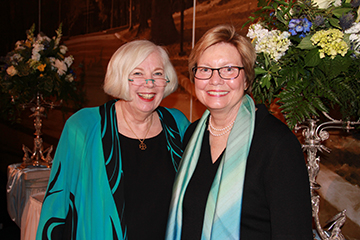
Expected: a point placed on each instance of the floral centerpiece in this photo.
(38, 65)
(308, 57)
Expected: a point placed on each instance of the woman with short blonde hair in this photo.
(115, 164)
(126, 58)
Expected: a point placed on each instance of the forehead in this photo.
(220, 53)
(153, 60)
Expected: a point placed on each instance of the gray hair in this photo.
(126, 59)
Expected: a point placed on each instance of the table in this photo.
(31, 216)
(21, 184)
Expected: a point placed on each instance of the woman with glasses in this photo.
(115, 164)
(243, 174)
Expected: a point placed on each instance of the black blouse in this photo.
(276, 200)
(148, 180)
(197, 192)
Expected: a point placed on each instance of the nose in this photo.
(215, 78)
(149, 82)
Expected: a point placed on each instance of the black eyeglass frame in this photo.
(194, 69)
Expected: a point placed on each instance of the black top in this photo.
(197, 192)
(276, 198)
(148, 180)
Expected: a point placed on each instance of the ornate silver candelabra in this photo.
(37, 157)
(314, 135)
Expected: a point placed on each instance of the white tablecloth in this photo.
(21, 184)
(31, 215)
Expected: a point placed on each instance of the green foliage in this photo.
(38, 65)
(306, 78)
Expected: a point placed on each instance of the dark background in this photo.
(77, 16)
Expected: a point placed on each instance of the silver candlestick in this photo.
(37, 157)
(314, 135)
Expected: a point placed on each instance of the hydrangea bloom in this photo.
(274, 42)
(330, 42)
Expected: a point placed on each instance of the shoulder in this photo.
(189, 131)
(84, 118)
(181, 120)
(176, 113)
(273, 138)
(268, 124)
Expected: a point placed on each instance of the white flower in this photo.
(324, 4)
(354, 37)
(61, 67)
(11, 71)
(69, 78)
(63, 49)
(257, 31)
(37, 47)
(69, 60)
(355, 28)
(41, 38)
(274, 42)
(16, 58)
(19, 45)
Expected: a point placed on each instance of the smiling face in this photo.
(216, 93)
(147, 97)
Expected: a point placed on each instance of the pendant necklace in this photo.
(142, 145)
(222, 131)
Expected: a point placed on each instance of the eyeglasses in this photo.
(159, 82)
(226, 73)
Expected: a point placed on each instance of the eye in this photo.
(228, 69)
(158, 74)
(137, 74)
(204, 70)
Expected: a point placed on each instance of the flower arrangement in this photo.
(37, 65)
(308, 57)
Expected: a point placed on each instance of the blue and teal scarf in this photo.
(223, 207)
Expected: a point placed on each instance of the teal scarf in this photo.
(223, 207)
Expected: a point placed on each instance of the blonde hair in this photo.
(226, 34)
(126, 59)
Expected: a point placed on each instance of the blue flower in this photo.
(299, 26)
(307, 25)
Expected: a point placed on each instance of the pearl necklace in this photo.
(142, 145)
(223, 131)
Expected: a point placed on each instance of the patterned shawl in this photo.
(85, 175)
(223, 207)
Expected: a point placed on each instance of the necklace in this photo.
(223, 131)
(142, 145)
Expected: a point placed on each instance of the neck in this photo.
(131, 124)
(221, 118)
(133, 116)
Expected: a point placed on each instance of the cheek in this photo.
(200, 85)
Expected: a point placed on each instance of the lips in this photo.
(146, 96)
(217, 93)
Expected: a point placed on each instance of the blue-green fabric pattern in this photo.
(79, 199)
(223, 207)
